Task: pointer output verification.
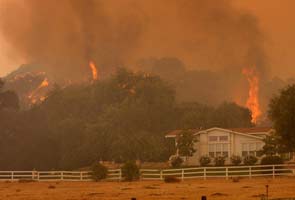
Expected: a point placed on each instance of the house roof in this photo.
(175, 133)
(251, 132)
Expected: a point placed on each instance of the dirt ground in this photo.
(217, 189)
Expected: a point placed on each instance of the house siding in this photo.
(235, 141)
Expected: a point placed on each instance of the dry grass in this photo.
(215, 189)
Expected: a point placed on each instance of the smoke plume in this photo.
(63, 35)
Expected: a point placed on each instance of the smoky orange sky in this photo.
(276, 19)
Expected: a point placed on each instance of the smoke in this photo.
(62, 36)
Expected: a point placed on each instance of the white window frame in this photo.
(219, 142)
(258, 147)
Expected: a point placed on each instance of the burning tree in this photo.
(93, 70)
(253, 98)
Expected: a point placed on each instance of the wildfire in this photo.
(253, 98)
(34, 96)
(94, 70)
(44, 83)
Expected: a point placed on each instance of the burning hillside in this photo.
(33, 86)
(87, 40)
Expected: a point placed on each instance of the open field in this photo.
(215, 189)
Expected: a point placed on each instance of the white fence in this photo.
(55, 175)
(220, 172)
(156, 174)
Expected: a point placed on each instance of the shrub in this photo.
(176, 161)
(271, 160)
(99, 171)
(171, 179)
(219, 161)
(130, 171)
(236, 160)
(205, 160)
(250, 160)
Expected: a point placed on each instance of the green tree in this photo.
(231, 115)
(273, 145)
(194, 115)
(282, 114)
(185, 144)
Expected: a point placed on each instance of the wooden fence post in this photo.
(273, 172)
(226, 173)
(267, 186)
(205, 175)
(81, 176)
(182, 174)
(161, 174)
(250, 172)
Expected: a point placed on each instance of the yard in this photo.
(215, 189)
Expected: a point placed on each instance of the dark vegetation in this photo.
(130, 171)
(272, 160)
(205, 161)
(250, 160)
(176, 162)
(122, 118)
(219, 161)
(185, 144)
(282, 113)
(99, 171)
(236, 160)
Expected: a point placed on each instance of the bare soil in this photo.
(214, 189)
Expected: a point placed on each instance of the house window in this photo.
(218, 138)
(225, 150)
(253, 149)
(244, 150)
(218, 146)
(212, 150)
(223, 138)
(218, 149)
(213, 138)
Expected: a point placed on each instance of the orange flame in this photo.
(253, 98)
(34, 96)
(44, 83)
(94, 71)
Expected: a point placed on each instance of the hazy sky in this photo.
(276, 18)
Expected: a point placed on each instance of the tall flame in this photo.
(94, 70)
(253, 98)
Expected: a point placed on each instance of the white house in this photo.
(215, 142)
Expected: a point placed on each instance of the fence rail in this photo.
(156, 174)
